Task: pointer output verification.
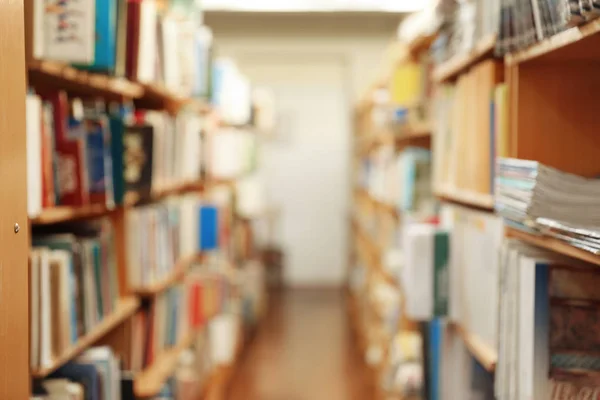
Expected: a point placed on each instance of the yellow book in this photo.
(406, 85)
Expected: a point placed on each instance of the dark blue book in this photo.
(99, 161)
(436, 330)
(117, 127)
(209, 228)
(82, 373)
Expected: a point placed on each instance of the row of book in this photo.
(450, 370)
(465, 117)
(463, 25)
(525, 22)
(538, 199)
(175, 314)
(399, 179)
(451, 270)
(548, 325)
(142, 40)
(82, 153)
(94, 375)
(74, 286)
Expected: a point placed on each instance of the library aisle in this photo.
(303, 350)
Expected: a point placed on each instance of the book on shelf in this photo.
(175, 314)
(74, 286)
(537, 198)
(159, 237)
(475, 242)
(548, 327)
(465, 118)
(61, 30)
(93, 375)
(232, 93)
(75, 153)
(425, 274)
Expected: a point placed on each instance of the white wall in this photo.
(317, 67)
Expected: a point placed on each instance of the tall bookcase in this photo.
(14, 231)
(549, 116)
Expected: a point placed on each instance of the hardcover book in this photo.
(138, 159)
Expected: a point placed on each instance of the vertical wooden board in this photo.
(119, 226)
(14, 294)
(557, 121)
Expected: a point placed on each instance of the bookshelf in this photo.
(495, 113)
(144, 264)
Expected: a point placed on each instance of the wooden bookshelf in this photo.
(157, 97)
(57, 76)
(54, 75)
(150, 381)
(418, 135)
(574, 43)
(480, 201)
(170, 280)
(125, 308)
(60, 214)
(132, 199)
(450, 69)
(556, 245)
(484, 354)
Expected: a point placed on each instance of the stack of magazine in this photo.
(540, 199)
(524, 22)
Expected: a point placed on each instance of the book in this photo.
(105, 37)
(74, 286)
(138, 141)
(34, 155)
(209, 228)
(63, 30)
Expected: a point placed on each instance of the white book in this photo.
(34, 154)
(108, 367)
(169, 31)
(146, 67)
(34, 298)
(418, 272)
(61, 259)
(69, 31)
(46, 313)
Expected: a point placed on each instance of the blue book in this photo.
(436, 328)
(105, 46)
(209, 228)
(96, 161)
(82, 373)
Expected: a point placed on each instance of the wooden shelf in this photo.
(150, 381)
(378, 205)
(553, 244)
(171, 279)
(460, 63)
(481, 201)
(485, 355)
(132, 199)
(157, 97)
(559, 43)
(60, 214)
(411, 135)
(126, 307)
(53, 75)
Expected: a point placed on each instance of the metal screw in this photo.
(17, 228)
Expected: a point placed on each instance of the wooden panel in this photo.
(557, 115)
(14, 294)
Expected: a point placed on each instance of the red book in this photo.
(133, 38)
(70, 153)
(195, 306)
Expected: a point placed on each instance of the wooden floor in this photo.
(303, 351)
